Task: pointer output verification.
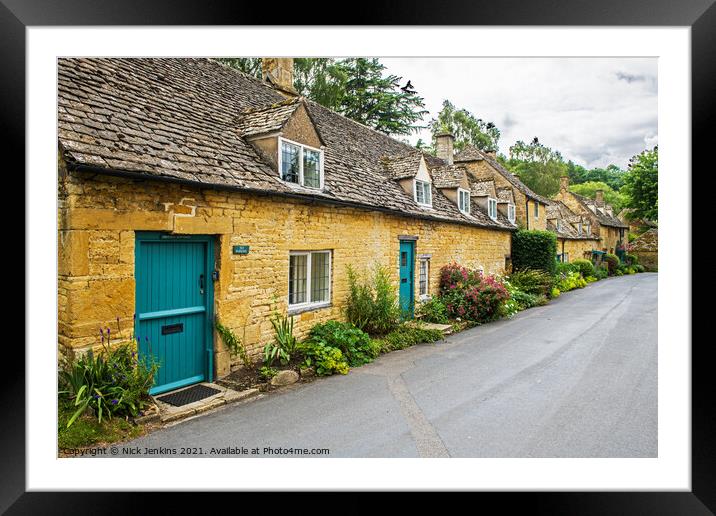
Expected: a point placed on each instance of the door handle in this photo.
(201, 283)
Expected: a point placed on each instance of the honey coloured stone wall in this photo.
(576, 248)
(99, 216)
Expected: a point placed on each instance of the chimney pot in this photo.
(444, 146)
(599, 197)
(279, 72)
(564, 183)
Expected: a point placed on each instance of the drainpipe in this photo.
(527, 211)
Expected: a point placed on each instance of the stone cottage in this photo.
(574, 233)
(602, 221)
(188, 191)
(528, 209)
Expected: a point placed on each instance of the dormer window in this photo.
(300, 164)
(463, 198)
(511, 213)
(588, 228)
(579, 228)
(559, 225)
(422, 193)
(492, 208)
(536, 210)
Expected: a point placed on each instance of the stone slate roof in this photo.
(602, 216)
(254, 122)
(468, 153)
(627, 217)
(481, 188)
(504, 194)
(648, 241)
(559, 211)
(448, 176)
(179, 120)
(402, 167)
(471, 153)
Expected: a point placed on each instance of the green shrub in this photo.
(535, 282)
(519, 300)
(406, 336)
(469, 295)
(639, 268)
(111, 382)
(570, 282)
(433, 311)
(591, 279)
(554, 293)
(585, 267)
(355, 344)
(372, 304)
(564, 268)
(532, 249)
(326, 359)
(601, 273)
(267, 373)
(631, 259)
(612, 261)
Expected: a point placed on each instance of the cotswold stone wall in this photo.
(99, 216)
(577, 248)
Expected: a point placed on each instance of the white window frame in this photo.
(301, 146)
(559, 225)
(466, 193)
(426, 295)
(490, 203)
(579, 228)
(535, 211)
(511, 213)
(428, 190)
(309, 303)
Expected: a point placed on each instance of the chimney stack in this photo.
(491, 153)
(279, 72)
(599, 197)
(444, 146)
(564, 183)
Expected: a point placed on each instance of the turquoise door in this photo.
(407, 275)
(174, 299)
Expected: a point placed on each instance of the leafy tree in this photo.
(537, 166)
(611, 196)
(641, 185)
(612, 175)
(358, 88)
(466, 127)
(377, 100)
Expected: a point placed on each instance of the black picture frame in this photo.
(700, 15)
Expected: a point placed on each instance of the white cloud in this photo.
(595, 111)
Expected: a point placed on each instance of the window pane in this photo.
(428, 193)
(419, 192)
(289, 162)
(319, 277)
(297, 279)
(423, 282)
(311, 168)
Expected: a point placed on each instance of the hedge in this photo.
(534, 249)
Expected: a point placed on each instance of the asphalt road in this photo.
(575, 378)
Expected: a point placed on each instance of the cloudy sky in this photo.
(595, 111)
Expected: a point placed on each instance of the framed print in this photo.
(431, 234)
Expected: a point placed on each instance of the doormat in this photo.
(190, 395)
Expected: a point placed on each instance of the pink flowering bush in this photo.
(469, 295)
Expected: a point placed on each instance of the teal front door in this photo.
(174, 299)
(407, 275)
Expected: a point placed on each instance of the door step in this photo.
(223, 396)
(445, 328)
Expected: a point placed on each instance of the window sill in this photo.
(308, 308)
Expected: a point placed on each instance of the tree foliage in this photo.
(465, 127)
(537, 166)
(589, 189)
(358, 88)
(611, 175)
(641, 185)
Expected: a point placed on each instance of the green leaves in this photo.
(589, 189)
(465, 127)
(233, 343)
(641, 184)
